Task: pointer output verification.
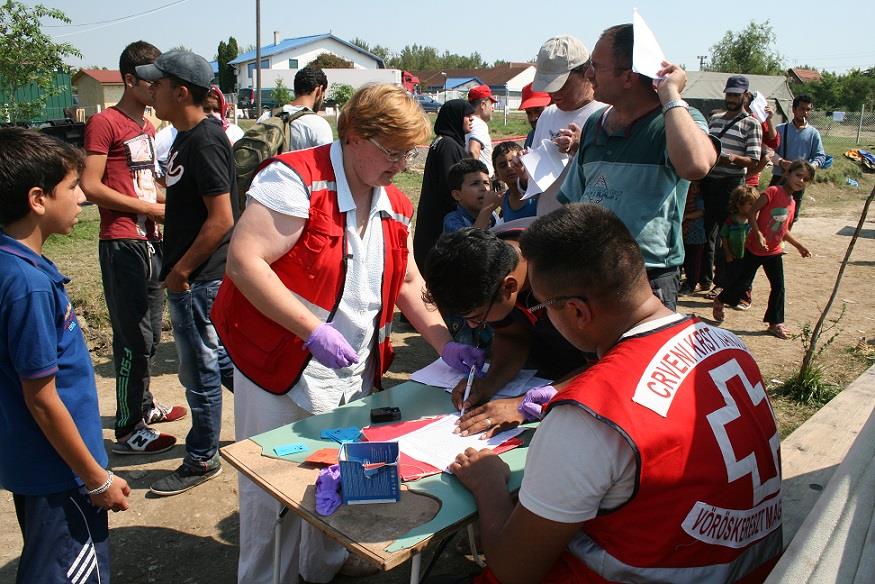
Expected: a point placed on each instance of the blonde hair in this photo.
(740, 195)
(387, 113)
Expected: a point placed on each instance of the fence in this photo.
(843, 131)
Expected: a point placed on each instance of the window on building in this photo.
(293, 63)
(250, 68)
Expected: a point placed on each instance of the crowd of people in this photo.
(657, 448)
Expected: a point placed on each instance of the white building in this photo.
(297, 53)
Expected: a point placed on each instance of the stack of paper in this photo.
(439, 374)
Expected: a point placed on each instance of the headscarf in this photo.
(449, 120)
(223, 106)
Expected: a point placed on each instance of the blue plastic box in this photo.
(369, 472)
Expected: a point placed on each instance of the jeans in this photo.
(201, 361)
(665, 283)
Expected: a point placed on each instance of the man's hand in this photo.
(477, 396)
(492, 417)
(176, 281)
(769, 113)
(477, 470)
(115, 498)
(672, 83)
(568, 139)
(156, 212)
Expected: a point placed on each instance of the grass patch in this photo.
(809, 387)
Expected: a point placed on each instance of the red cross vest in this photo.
(315, 271)
(690, 401)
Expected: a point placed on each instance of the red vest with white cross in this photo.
(315, 271)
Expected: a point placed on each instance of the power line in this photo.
(106, 23)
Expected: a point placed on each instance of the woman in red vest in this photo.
(318, 262)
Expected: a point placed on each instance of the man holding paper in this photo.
(637, 156)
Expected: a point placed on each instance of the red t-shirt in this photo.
(773, 221)
(130, 169)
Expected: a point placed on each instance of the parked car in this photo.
(427, 102)
(246, 100)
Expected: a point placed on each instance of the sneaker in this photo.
(144, 440)
(183, 479)
(161, 413)
(742, 305)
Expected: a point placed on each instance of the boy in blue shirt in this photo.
(53, 460)
(476, 202)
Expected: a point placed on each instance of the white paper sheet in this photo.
(437, 445)
(838, 116)
(544, 165)
(647, 55)
(758, 107)
(439, 374)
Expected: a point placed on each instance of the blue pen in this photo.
(467, 389)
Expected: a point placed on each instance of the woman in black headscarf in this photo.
(454, 120)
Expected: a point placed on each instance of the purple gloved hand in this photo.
(330, 348)
(328, 497)
(462, 357)
(535, 398)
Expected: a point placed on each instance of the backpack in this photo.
(260, 142)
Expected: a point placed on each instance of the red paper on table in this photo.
(409, 468)
(327, 456)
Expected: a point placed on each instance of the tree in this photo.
(281, 93)
(847, 92)
(227, 52)
(748, 51)
(340, 93)
(29, 56)
(330, 61)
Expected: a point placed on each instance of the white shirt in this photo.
(480, 132)
(309, 130)
(320, 389)
(166, 135)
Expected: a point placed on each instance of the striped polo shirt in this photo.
(744, 138)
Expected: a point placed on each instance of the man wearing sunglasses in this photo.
(660, 462)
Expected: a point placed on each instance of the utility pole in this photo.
(701, 61)
(257, 58)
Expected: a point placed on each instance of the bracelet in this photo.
(673, 104)
(104, 487)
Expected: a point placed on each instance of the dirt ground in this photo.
(192, 538)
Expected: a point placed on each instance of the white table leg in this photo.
(415, 566)
(277, 534)
(472, 541)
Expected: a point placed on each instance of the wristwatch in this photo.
(671, 104)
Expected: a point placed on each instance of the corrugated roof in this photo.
(294, 43)
(493, 76)
(805, 75)
(110, 76)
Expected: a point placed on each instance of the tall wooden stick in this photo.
(815, 334)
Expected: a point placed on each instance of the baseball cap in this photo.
(736, 84)
(557, 57)
(185, 65)
(481, 92)
(532, 98)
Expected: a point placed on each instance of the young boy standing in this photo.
(53, 460)
(475, 200)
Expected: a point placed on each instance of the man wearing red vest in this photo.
(661, 462)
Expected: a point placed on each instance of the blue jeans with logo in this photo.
(202, 359)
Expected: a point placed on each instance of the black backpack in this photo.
(263, 140)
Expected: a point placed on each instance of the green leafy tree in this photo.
(29, 56)
(281, 94)
(340, 93)
(331, 61)
(226, 53)
(748, 51)
(848, 92)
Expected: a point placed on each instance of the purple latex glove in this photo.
(535, 398)
(328, 497)
(462, 357)
(330, 348)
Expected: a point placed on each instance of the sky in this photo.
(834, 36)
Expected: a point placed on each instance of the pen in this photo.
(467, 389)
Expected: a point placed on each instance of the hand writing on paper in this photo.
(476, 397)
(478, 469)
(491, 418)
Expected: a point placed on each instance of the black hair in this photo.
(623, 43)
(198, 94)
(504, 148)
(457, 172)
(135, 54)
(31, 159)
(584, 249)
(308, 79)
(464, 270)
(802, 98)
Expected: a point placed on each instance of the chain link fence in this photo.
(843, 131)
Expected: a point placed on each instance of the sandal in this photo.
(717, 311)
(778, 331)
(714, 293)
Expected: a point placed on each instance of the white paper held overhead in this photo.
(647, 55)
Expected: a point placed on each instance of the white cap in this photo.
(557, 57)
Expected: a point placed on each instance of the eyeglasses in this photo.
(555, 300)
(396, 157)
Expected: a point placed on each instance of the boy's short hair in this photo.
(464, 269)
(198, 93)
(457, 172)
(135, 54)
(740, 195)
(308, 79)
(503, 149)
(584, 249)
(31, 159)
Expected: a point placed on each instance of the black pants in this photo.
(135, 301)
(779, 179)
(747, 268)
(693, 263)
(715, 193)
(665, 283)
